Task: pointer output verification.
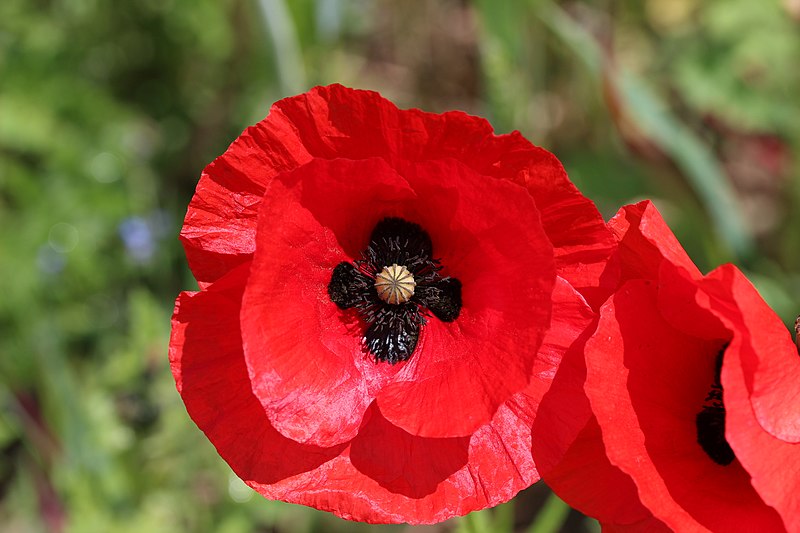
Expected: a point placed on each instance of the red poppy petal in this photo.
(772, 463)
(489, 237)
(648, 525)
(588, 482)
(519, 418)
(581, 240)
(216, 242)
(646, 382)
(426, 481)
(770, 359)
(645, 241)
(436, 459)
(564, 408)
(418, 480)
(357, 124)
(475, 244)
(219, 229)
(681, 292)
(569, 451)
(208, 365)
(398, 477)
(304, 354)
(388, 475)
(337, 122)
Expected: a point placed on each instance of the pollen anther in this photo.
(395, 284)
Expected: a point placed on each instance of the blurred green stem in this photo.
(281, 30)
(504, 517)
(551, 516)
(477, 522)
(497, 520)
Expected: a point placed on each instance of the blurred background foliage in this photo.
(109, 111)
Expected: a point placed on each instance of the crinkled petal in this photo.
(646, 381)
(385, 452)
(585, 479)
(295, 365)
(337, 122)
(649, 357)
(521, 415)
(568, 448)
(773, 464)
(305, 355)
(384, 475)
(306, 358)
(754, 428)
(645, 242)
(564, 408)
(208, 365)
(489, 237)
(686, 292)
(771, 363)
(219, 228)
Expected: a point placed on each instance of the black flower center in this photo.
(710, 421)
(394, 287)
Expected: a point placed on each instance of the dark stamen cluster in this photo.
(710, 421)
(393, 329)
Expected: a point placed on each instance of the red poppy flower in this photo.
(371, 337)
(693, 384)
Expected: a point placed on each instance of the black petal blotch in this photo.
(392, 330)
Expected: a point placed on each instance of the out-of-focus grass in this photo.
(109, 111)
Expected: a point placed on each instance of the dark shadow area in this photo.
(404, 463)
